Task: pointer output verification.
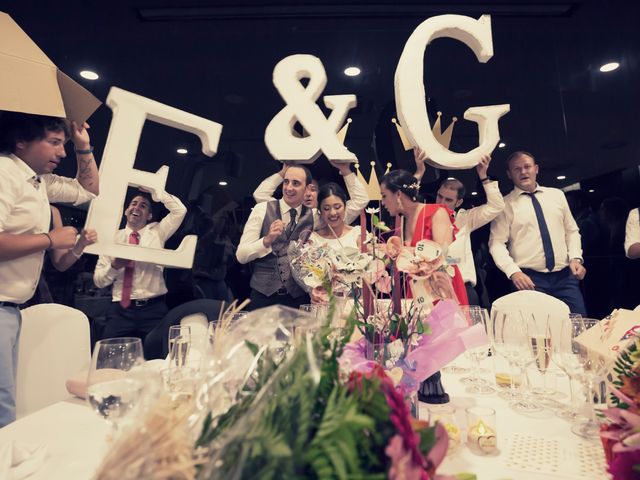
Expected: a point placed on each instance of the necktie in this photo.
(549, 258)
(292, 222)
(127, 281)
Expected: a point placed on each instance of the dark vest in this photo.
(273, 272)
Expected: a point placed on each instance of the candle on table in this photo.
(481, 433)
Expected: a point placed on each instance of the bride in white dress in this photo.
(332, 202)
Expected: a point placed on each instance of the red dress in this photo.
(423, 232)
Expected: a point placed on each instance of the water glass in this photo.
(179, 345)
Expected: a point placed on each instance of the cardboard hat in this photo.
(31, 83)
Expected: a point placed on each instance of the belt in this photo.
(143, 302)
(10, 304)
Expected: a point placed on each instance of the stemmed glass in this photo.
(510, 339)
(540, 345)
(592, 367)
(564, 357)
(113, 389)
(477, 315)
(179, 345)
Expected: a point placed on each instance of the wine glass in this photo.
(564, 357)
(179, 345)
(508, 347)
(113, 389)
(540, 345)
(510, 339)
(475, 384)
(592, 367)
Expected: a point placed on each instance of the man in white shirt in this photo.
(632, 235)
(535, 241)
(451, 194)
(358, 197)
(271, 226)
(32, 147)
(138, 287)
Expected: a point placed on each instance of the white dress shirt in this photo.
(251, 246)
(632, 232)
(349, 239)
(515, 240)
(148, 278)
(358, 197)
(24, 208)
(469, 220)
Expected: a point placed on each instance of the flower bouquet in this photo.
(294, 414)
(621, 434)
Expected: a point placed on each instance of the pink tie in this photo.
(127, 281)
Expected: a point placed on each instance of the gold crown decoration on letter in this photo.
(342, 134)
(373, 185)
(443, 138)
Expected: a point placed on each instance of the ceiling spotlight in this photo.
(502, 145)
(352, 71)
(222, 183)
(89, 75)
(182, 151)
(474, 193)
(591, 190)
(450, 178)
(609, 67)
(561, 177)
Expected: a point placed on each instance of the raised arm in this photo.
(177, 211)
(420, 157)
(358, 197)
(87, 174)
(477, 217)
(264, 192)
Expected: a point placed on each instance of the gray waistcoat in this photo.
(273, 272)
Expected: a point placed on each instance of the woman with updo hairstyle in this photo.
(335, 233)
(401, 197)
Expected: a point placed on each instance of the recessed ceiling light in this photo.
(502, 145)
(182, 151)
(591, 190)
(561, 177)
(222, 183)
(352, 71)
(450, 178)
(89, 75)
(609, 67)
(474, 193)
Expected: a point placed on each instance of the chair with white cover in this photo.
(530, 302)
(54, 345)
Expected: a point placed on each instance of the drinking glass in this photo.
(510, 340)
(540, 345)
(564, 357)
(446, 415)
(507, 346)
(475, 384)
(179, 345)
(592, 368)
(113, 389)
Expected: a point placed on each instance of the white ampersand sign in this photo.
(280, 138)
(411, 105)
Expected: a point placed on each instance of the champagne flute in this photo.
(179, 345)
(592, 368)
(539, 342)
(112, 389)
(475, 384)
(564, 357)
(507, 345)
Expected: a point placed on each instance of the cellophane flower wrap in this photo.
(620, 434)
(289, 411)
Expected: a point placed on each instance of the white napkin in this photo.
(19, 460)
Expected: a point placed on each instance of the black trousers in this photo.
(134, 321)
(472, 295)
(259, 300)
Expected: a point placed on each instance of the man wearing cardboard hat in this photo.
(31, 148)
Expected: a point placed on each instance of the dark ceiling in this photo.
(216, 59)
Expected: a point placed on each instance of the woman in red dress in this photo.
(400, 196)
(421, 221)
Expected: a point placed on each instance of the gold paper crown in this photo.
(342, 134)
(373, 185)
(443, 138)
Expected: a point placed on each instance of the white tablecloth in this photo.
(76, 441)
(75, 438)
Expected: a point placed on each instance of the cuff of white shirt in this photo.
(509, 271)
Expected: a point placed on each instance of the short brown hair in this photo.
(454, 184)
(518, 154)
